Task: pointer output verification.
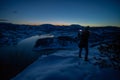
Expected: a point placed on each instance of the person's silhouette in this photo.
(84, 41)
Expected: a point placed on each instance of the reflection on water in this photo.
(15, 58)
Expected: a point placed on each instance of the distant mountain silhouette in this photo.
(50, 25)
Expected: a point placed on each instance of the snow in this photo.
(58, 68)
(65, 65)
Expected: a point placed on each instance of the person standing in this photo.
(84, 36)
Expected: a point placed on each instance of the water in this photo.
(15, 58)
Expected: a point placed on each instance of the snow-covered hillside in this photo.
(65, 65)
(53, 51)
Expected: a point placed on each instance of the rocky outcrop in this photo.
(61, 42)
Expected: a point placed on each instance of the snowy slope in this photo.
(65, 65)
(62, 64)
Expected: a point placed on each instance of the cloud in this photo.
(3, 20)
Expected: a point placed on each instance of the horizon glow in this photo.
(61, 12)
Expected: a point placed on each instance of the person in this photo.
(84, 36)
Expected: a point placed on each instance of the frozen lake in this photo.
(15, 58)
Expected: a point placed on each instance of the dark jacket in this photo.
(84, 39)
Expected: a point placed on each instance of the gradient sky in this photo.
(61, 12)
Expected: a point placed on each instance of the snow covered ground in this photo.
(65, 65)
(54, 62)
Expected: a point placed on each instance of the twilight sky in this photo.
(61, 12)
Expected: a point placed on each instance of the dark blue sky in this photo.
(83, 12)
